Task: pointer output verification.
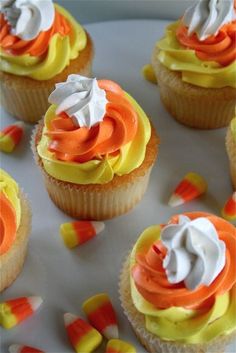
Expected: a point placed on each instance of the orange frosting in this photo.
(8, 225)
(36, 47)
(152, 283)
(220, 48)
(81, 144)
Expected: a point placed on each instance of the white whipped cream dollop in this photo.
(195, 254)
(207, 17)
(81, 99)
(28, 18)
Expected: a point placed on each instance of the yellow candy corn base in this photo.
(196, 107)
(98, 202)
(231, 149)
(27, 99)
(152, 343)
(11, 263)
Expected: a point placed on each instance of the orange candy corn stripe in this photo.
(8, 226)
(83, 337)
(81, 144)
(17, 348)
(229, 209)
(37, 46)
(101, 315)
(118, 346)
(79, 232)
(192, 186)
(220, 48)
(10, 136)
(13, 312)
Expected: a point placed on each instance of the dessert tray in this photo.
(65, 278)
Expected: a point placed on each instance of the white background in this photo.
(66, 278)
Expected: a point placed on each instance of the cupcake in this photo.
(195, 65)
(15, 224)
(178, 285)
(95, 148)
(40, 45)
(231, 149)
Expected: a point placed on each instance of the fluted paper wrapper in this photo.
(152, 343)
(11, 263)
(231, 150)
(193, 106)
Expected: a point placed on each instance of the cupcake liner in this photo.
(99, 201)
(231, 150)
(196, 107)
(11, 263)
(152, 343)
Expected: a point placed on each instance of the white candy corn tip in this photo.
(98, 226)
(15, 348)
(111, 332)
(69, 318)
(35, 302)
(175, 200)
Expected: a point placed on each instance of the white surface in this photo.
(65, 278)
(88, 11)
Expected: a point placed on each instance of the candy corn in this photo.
(229, 209)
(83, 337)
(149, 74)
(101, 315)
(10, 136)
(14, 311)
(79, 232)
(118, 346)
(192, 186)
(18, 348)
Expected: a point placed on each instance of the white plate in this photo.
(66, 278)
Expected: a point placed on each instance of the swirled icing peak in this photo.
(81, 99)
(28, 18)
(195, 254)
(207, 17)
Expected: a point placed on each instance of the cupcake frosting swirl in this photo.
(28, 18)
(48, 53)
(116, 145)
(70, 142)
(10, 211)
(172, 310)
(202, 45)
(207, 17)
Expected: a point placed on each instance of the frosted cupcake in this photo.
(40, 45)
(195, 65)
(231, 149)
(15, 224)
(95, 148)
(178, 286)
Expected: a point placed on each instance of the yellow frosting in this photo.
(180, 324)
(207, 74)
(61, 50)
(11, 190)
(98, 171)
